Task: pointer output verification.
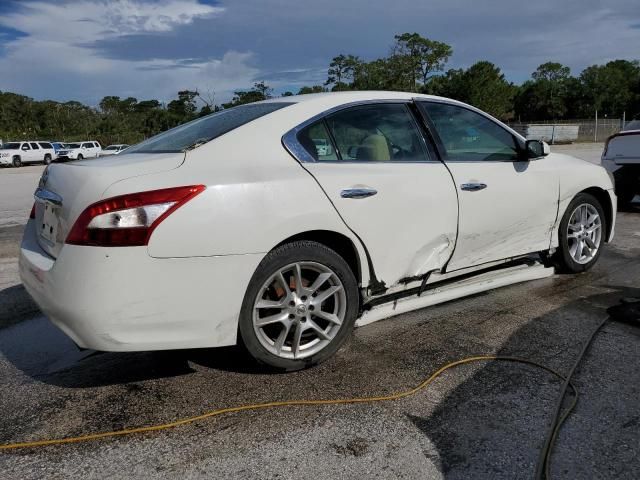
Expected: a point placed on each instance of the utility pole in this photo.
(595, 132)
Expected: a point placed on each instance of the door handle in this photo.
(362, 192)
(473, 187)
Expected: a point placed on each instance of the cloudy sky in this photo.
(86, 49)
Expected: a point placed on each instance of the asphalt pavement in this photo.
(485, 420)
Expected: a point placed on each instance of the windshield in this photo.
(632, 125)
(112, 147)
(205, 129)
(71, 145)
(11, 146)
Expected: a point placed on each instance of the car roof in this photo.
(352, 96)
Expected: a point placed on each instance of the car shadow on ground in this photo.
(494, 423)
(15, 306)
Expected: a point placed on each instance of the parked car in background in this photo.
(57, 146)
(621, 157)
(113, 150)
(21, 153)
(278, 224)
(79, 151)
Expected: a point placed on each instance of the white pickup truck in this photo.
(20, 153)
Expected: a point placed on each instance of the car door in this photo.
(37, 153)
(373, 163)
(26, 153)
(508, 203)
(87, 150)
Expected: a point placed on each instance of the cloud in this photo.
(52, 56)
(85, 49)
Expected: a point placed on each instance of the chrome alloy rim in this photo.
(299, 310)
(584, 233)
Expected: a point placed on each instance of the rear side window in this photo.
(469, 136)
(316, 140)
(205, 129)
(377, 133)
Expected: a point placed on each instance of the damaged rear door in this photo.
(375, 166)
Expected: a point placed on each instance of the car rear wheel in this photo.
(47, 159)
(17, 162)
(80, 157)
(300, 306)
(582, 234)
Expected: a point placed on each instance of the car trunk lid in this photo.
(65, 190)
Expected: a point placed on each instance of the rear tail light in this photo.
(128, 220)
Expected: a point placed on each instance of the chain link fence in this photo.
(569, 131)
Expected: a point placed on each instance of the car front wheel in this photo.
(17, 162)
(47, 159)
(300, 306)
(582, 234)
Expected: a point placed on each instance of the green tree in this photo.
(482, 85)
(340, 72)
(419, 58)
(313, 89)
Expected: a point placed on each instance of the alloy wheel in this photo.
(299, 310)
(584, 233)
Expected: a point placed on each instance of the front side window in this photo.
(205, 129)
(46, 145)
(25, 146)
(377, 133)
(469, 136)
(87, 145)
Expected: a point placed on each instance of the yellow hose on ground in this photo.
(287, 403)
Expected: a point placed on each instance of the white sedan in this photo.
(279, 224)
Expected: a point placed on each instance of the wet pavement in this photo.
(477, 421)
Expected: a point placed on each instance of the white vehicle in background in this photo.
(621, 157)
(22, 153)
(79, 151)
(113, 149)
(278, 224)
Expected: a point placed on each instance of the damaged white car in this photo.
(281, 223)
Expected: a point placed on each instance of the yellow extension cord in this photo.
(288, 403)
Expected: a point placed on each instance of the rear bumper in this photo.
(121, 299)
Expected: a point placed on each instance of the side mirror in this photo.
(25, 148)
(537, 149)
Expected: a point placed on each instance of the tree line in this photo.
(414, 64)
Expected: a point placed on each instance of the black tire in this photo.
(562, 258)
(279, 258)
(80, 157)
(47, 159)
(17, 162)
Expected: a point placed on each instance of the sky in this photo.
(86, 49)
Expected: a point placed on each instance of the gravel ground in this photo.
(478, 421)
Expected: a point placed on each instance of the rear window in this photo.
(624, 146)
(205, 129)
(11, 146)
